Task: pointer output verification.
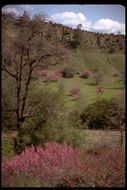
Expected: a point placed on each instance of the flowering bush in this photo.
(49, 165)
(52, 78)
(60, 72)
(105, 168)
(108, 167)
(44, 73)
(75, 92)
(100, 89)
(86, 74)
(62, 165)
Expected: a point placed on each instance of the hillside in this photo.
(96, 51)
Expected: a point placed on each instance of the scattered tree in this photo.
(77, 38)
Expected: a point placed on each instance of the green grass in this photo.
(89, 140)
(88, 90)
(7, 144)
(117, 61)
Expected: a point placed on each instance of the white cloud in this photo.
(73, 19)
(108, 26)
(27, 7)
(10, 10)
(17, 9)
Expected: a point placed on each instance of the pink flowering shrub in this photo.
(86, 74)
(59, 74)
(49, 165)
(75, 92)
(100, 89)
(52, 78)
(105, 168)
(62, 165)
(44, 73)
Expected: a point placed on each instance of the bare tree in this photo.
(20, 57)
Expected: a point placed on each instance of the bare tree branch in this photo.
(7, 71)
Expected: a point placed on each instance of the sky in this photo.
(97, 18)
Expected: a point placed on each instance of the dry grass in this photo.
(95, 138)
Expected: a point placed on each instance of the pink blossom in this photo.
(75, 92)
(86, 74)
(52, 78)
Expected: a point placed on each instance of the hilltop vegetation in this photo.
(74, 43)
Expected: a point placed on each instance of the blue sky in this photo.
(99, 18)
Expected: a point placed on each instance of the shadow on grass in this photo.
(69, 95)
(92, 84)
(114, 88)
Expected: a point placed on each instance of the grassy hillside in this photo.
(92, 54)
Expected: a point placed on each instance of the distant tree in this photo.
(121, 77)
(119, 33)
(86, 74)
(111, 50)
(99, 78)
(77, 38)
(118, 119)
(79, 26)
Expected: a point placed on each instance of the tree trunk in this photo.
(121, 138)
(18, 142)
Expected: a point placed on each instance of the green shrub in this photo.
(68, 73)
(7, 149)
(75, 118)
(111, 50)
(59, 132)
(50, 123)
(8, 103)
(99, 115)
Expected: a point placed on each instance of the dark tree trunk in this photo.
(18, 142)
(121, 138)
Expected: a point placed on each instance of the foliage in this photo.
(52, 78)
(75, 92)
(8, 103)
(68, 72)
(75, 118)
(49, 165)
(62, 85)
(86, 74)
(66, 32)
(100, 89)
(62, 165)
(111, 50)
(77, 38)
(99, 77)
(50, 123)
(27, 52)
(7, 149)
(95, 115)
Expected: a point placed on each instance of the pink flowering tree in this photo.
(52, 78)
(100, 90)
(86, 74)
(75, 92)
